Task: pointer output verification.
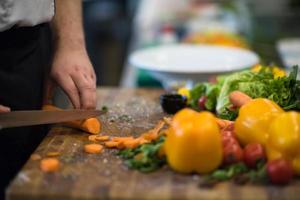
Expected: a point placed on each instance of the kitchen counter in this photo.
(104, 176)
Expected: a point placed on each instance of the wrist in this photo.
(69, 43)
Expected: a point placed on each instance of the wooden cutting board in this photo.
(84, 176)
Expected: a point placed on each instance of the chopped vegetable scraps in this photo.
(53, 153)
(35, 156)
(49, 164)
(146, 157)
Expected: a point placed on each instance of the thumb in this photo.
(4, 109)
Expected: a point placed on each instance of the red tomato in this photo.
(228, 139)
(253, 153)
(201, 102)
(232, 153)
(280, 171)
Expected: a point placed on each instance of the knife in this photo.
(36, 117)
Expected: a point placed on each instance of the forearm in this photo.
(67, 25)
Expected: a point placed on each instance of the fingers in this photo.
(86, 86)
(4, 109)
(69, 87)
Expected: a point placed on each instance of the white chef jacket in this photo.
(25, 12)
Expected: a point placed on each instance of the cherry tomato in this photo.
(228, 138)
(232, 154)
(201, 102)
(280, 171)
(253, 153)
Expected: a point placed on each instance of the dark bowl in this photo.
(172, 103)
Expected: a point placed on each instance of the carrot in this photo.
(92, 138)
(102, 137)
(153, 133)
(150, 136)
(98, 138)
(35, 156)
(121, 139)
(53, 154)
(143, 141)
(49, 164)
(93, 148)
(167, 120)
(90, 125)
(111, 144)
(131, 144)
(223, 123)
(238, 99)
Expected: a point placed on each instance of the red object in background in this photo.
(212, 79)
(280, 171)
(253, 153)
(201, 102)
(167, 28)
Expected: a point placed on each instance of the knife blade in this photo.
(37, 117)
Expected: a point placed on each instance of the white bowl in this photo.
(186, 62)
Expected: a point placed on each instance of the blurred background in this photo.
(115, 28)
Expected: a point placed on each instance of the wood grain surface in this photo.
(84, 176)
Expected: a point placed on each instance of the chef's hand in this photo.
(4, 109)
(74, 73)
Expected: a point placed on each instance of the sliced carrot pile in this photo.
(93, 148)
(49, 164)
(131, 142)
(90, 125)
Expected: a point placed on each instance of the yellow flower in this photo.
(184, 92)
(277, 72)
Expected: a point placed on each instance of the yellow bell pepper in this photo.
(193, 142)
(252, 123)
(284, 139)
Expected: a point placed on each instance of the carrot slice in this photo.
(223, 123)
(93, 148)
(154, 133)
(49, 164)
(92, 138)
(111, 144)
(53, 153)
(102, 138)
(90, 125)
(130, 144)
(35, 156)
(143, 141)
(121, 139)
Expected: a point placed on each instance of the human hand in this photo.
(4, 109)
(74, 73)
